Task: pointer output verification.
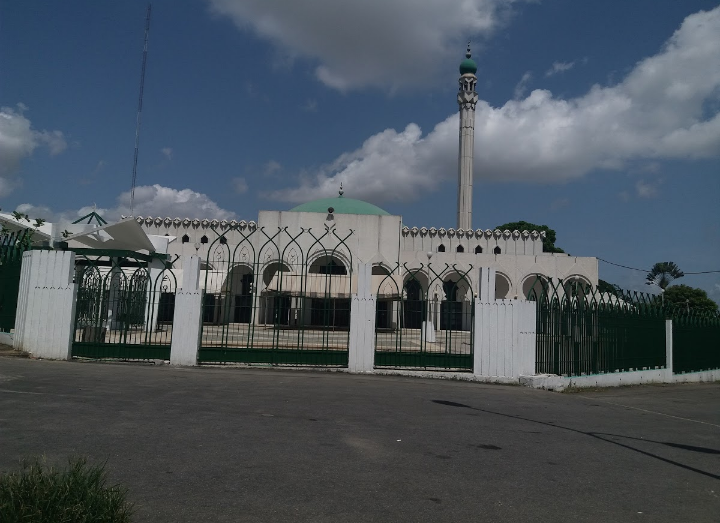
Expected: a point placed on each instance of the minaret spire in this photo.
(466, 98)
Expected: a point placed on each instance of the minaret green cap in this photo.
(468, 66)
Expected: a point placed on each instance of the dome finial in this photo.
(341, 192)
(467, 54)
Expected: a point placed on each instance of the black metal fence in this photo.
(124, 308)
(582, 331)
(276, 297)
(12, 247)
(696, 341)
(427, 321)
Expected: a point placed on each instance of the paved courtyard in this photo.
(228, 444)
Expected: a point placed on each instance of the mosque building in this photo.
(284, 260)
(300, 267)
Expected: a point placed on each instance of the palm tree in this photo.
(663, 273)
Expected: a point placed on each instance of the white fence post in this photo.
(669, 350)
(504, 345)
(361, 352)
(187, 319)
(45, 320)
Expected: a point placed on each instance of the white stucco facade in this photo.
(382, 241)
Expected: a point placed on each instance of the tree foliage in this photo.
(686, 296)
(662, 274)
(548, 241)
(609, 288)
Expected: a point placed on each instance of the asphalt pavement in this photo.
(229, 444)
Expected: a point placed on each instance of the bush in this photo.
(43, 494)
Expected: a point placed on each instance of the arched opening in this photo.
(502, 286)
(451, 309)
(414, 304)
(497, 250)
(223, 240)
(576, 287)
(478, 250)
(275, 306)
(536, 284)
(204, 239)
(185, 238)
(329, 284)
(328, 265)
(460, 248)
(441, 248)
(238, 289)
(380, 270)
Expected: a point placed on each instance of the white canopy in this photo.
(125, 235)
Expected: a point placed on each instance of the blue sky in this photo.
(600, 119)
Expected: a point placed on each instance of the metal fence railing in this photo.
(582, 331)
(429, 323)
(696, 341)
(124, 309)
(276, 297)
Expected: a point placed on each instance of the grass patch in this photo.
(39, 493)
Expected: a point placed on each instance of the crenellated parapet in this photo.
(471, 241)
(472, 233)
(187, 223)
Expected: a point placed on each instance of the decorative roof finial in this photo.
(468, 55)
(341, 192)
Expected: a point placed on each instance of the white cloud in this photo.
(521, 86)
(240, 185)
(660, 110)
(387, 43)
(559, 67)
(167, 152)
(18, 140)
(646, 189)
(150, 200)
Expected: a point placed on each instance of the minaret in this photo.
(467, 98)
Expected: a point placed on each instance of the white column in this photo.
(361, 352)
(45, 321)
(487, 284)
(153, 292)
(669, 349)
(187, 319)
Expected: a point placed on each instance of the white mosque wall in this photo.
(379, 240)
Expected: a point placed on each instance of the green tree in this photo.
(548, 241)
(663, 273)
(686, 296)
(609, 288)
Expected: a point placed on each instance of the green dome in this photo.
(341, 205)
(468, 66)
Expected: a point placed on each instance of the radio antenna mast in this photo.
(139, 113)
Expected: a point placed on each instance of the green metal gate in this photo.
(12, 247)
(124, 309)
(427, 323)
(696, 341)
(582, 331)
(277, 298)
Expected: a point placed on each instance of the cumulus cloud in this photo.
(150, 200)
(392, 43)
(666, 107)
(18, 140)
